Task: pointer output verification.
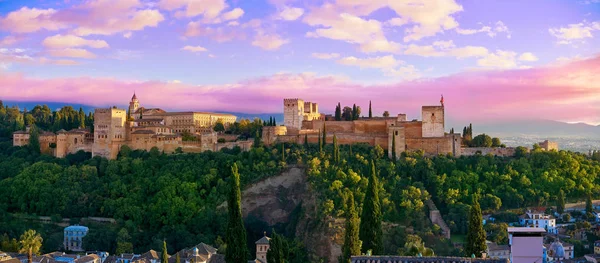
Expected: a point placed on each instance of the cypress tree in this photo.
(354, 112)
(324, 134)
(560, 202)
(351, 242)
(278, 249)
(34, 139)
(82, 118)
(320, 142)
(256, 139)
(338, 112)
(370, 111)
(283, 152)
(370, 223)
(350, 151)
(274, 122)
(306, 141)
(475, 233)
(237, 250)
(177, 258)
(336, 151)
(165, 256)
(589, 208)
(393, 147)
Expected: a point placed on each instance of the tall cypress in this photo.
(338, 112)
(278, 249)
(393, 147)
(324, 134)
(560, 202)
(354, 112)
(165, 256)
(320, 142)
(336, 150)
(237, 250)
(177, 258)
(283, 152)
(306, 141)
(370, 223)
(475, 233)
(351, 241)
(589, 208)
(256, 139)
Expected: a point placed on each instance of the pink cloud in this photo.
(570, 92)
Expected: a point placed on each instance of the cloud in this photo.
(65, 41)
(23, 56)
(233, 14)
(491, 31)
(291, 13)
(381, 45)
(325, 55)
(500, 60)
(528, 56)
(269, 41)
(71, 53)
(574, 32)
(219, 33)
(27, 20)
(445, 49)
(194, 49)
(9, 41)
(349, 28)
(382, 62)
(569, 93)
(94, 17)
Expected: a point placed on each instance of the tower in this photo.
(433, 121)
(293, 114)
(262, 246)
(134, 104)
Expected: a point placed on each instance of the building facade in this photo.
(526, 244)
(73, 237)
(396, 134)
(539, 219)
(140, 129)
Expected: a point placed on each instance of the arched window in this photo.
(75, 140)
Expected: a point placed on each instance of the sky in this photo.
(491, 60)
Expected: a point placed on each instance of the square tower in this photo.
(262, 246)
(109, 132)
(433, 121)
(293, 114)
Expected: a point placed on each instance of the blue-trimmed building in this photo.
(74, 237)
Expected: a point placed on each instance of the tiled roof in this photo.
(11, 260)
(110, 259)
(151, 254)
(20, 132)
(87, 258)
(217, 258)
(263, 240)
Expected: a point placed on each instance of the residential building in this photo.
(526, 244)
(73, 237)
(539, 220)
(404, 259)
(262, 246)
(497, 251)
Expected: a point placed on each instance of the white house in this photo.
(538, 219)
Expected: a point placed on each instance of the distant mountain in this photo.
(52, 105)
(539, 128)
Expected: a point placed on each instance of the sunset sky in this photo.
(498, 60)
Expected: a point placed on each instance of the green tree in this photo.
(320, 142)
(560, 202)
(283, 152)
(589, 208)
(219, 126)
(338, 112)
(82, 118)
(165, 255)
(30, 244)
(336, 150)
(520, 152)
(496, 142)
(256, 139)
(306, 141)
(177, 258)
(475, 243)
(124, 244)
(351, 241)
(324, 134)
(237, 250)
(278, 249)
(482, 140)
(347, 113)
(393, 149)
(370, 225)
(34, 139)
(370, 111)
(414, 246)
(386, 114)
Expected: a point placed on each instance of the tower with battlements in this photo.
(293, 112)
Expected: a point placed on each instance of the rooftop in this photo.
(76, 228)
(526, 230)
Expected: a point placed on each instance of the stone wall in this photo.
(436, 218)
(431, 146)
(504, 152)
(549, 145)
(244, 145)
(270, 133)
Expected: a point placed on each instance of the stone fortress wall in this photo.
(427, 135)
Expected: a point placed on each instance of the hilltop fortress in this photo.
(140, 129)
(302, 120)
